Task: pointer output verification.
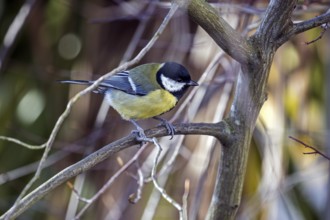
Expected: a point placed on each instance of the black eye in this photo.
(180, 80)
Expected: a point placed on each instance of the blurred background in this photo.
(45, 41)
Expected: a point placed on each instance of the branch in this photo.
(218, 130)
(14, 29)
(109, 182)
(325, 27)
(315, 151)
(309, 24)
(135, 197)
(275, 24)
(231, 41)
(250, 94)
(185, 198)
(305, 26)
(161, 190)
(23, 144)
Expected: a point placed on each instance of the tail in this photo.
(99, 89)
(79, 82)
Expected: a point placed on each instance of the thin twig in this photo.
(162, 175)
(158, 187)
(75, 196)
(315, 151)
(135, 197)
(121, 163)
(185, 199)
(75, 98)
(168, 165)
(305, 26)
(324, 27)
(69, 184)
(21, 143)
(139, 31)
(14, 29)
(110, 181)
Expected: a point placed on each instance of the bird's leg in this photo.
(169, 126)
(140, 132)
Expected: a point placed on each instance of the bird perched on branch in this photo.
(145, 91)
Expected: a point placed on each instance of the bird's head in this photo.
(174, 78)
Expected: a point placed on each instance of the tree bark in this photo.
(255, 54)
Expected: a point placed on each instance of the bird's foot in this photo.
(168, 125)
(140, 135)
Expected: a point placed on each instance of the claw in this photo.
(169, 126)
(140, 135)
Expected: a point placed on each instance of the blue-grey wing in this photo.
(121, 81)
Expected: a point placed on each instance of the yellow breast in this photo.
(141, 107)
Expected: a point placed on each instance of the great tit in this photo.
(145, 91)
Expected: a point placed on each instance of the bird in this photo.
(145, 91)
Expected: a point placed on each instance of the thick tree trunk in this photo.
(255, 54)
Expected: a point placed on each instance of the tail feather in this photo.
(79, 82)
(100, 89)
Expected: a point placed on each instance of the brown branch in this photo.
(315, 151)
(71, 186)
(218, 130)
(324, 27)
(230, 40)
(275, 25)
(160, 189)
(305, 26)
(309, 24)
(135, 197)
(109, 182)
(255, 56)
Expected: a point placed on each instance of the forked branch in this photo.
(315, 151)
(218, 130)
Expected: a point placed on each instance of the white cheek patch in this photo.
(171, 85)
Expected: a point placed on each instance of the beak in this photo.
(192, 83)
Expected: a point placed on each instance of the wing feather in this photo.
(120, 81)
